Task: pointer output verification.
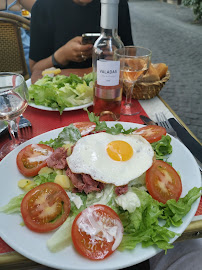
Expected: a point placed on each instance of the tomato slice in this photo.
(163, 182)
(85, 127)
(45, 207)
(151, 133)
(96, 232)
(32, 158)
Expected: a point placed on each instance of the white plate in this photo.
(45, 108)
(56, 110)
(33, 245)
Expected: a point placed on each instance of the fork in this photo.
(163, 121)
(24, 122)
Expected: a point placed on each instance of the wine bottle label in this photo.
(102, 93)
(108, 72)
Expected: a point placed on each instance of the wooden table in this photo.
(44, 121)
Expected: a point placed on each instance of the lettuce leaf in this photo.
(62, 237)
(44, 178)
(162, 147)
(104, 197)
(69, 134)
(143, 225)
(173, 211)
(90, 77)
(155, 235)
(13, 206)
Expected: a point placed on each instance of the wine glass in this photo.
(13, 102)
(134, 63)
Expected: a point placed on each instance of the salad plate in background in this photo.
(61, 93)
(33, 245)
(45, 108)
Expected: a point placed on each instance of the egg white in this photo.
(89, 156)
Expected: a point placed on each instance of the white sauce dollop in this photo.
(128, 201)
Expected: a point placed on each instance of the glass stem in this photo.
(129, 94)
(13, 131)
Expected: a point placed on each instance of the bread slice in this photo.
(51, 71)
(161, 69)
(151, 75)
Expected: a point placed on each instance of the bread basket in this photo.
(148, 90)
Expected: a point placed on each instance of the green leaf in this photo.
(142, 226)
(69, 134)
(44, 178)
(196, 6)
(173, 211)
(13, 205)
(162, 147)
(102, 126)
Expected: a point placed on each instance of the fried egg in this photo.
(111, 159)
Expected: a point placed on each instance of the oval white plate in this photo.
(45, 108)
(56, 110)
(33, 245)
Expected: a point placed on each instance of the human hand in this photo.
(75, 51)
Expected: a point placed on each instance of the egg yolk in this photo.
(119, 150)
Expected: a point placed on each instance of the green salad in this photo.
(60, 92)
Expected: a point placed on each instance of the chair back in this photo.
(12, 56)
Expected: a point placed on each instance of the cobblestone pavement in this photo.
(170, 32)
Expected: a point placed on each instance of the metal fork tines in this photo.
(24, 122)
(163, 121)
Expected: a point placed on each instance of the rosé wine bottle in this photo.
(108, 86)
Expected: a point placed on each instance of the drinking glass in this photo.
(134, 63)
(13, 102)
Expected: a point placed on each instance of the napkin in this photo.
(194, 147)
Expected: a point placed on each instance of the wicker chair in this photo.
(11, 49)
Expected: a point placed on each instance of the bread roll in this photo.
(161, 69)
(151, 75)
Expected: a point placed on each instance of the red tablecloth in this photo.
(43, 121)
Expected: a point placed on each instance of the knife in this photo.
(184, 136)
(147, 120)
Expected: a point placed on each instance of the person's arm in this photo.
(40, 65)
(72, 51)
(27, 4)
(42, 42)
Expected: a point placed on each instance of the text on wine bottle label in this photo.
(108, 72)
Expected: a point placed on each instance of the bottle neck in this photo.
(109, 15)
(109, 32)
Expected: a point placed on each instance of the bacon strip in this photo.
(84, 182)
(57, 160)
(121, 190)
